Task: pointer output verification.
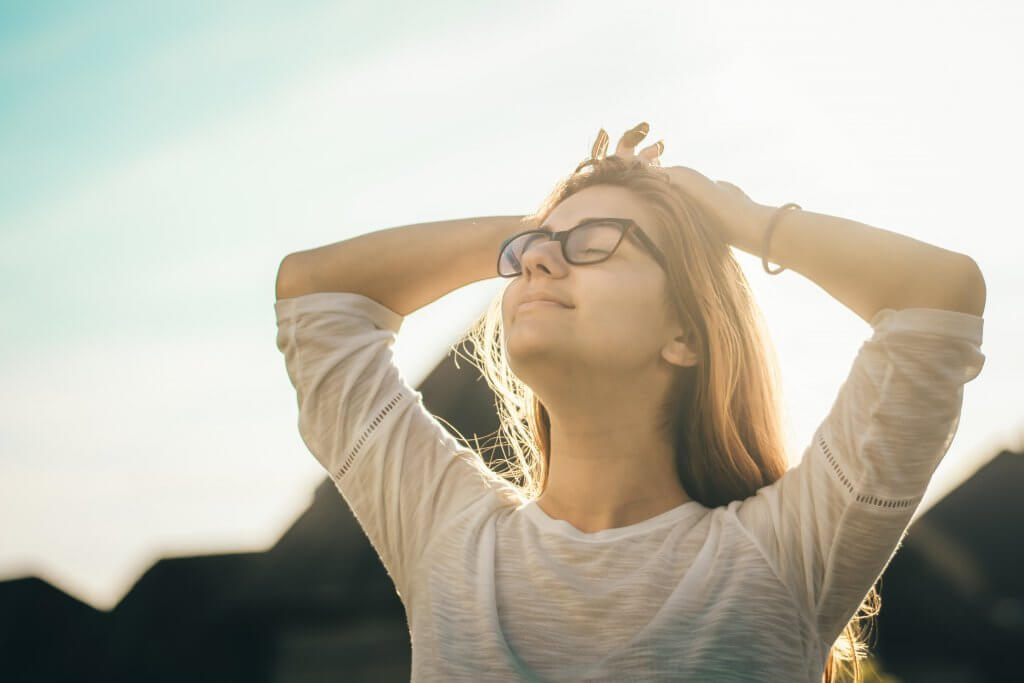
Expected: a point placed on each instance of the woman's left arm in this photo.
(866, 268)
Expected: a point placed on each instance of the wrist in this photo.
(751, 237)
(768, 237)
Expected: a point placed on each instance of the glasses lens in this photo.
(511, 257)
(589, 243)
(593, 242)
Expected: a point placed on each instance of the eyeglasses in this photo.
(592, 241)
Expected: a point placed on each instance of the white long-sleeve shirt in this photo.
(495, 589)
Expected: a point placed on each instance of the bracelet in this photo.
(768, 235)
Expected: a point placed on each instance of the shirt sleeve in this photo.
(831, 525)
(403, 475)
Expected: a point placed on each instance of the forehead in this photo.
(600, 201)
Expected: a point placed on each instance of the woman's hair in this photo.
(725, 410)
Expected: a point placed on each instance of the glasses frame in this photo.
(562, 236)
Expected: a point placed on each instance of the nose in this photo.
(546, 254)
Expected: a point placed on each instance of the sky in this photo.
(158, 162)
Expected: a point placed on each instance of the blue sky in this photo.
(159, 162)
(90, 84)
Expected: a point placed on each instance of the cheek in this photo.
(505, 312)
(504, 302)
(625, 321)
(620, 307)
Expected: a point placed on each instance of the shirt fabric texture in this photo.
(755, 590)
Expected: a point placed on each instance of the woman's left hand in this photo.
(741, 219)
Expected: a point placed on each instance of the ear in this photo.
(678, 352)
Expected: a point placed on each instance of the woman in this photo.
(649, 526)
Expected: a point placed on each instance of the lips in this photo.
(540, 304)
(542, 296)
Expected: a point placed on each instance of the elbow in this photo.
(973, 290)
(953, 284)
(285, 285)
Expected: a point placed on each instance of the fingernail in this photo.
(644, 126)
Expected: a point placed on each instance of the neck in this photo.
(610, 477)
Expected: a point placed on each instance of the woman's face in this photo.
(614, 326)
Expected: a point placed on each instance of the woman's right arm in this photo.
(339, 308)
(403, 268)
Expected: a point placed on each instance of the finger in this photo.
(631, 138)
(652, 152)
(600, 147)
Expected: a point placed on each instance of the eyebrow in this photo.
(547, 227)
(630, 236)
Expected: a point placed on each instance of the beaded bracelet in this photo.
(768, 235)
